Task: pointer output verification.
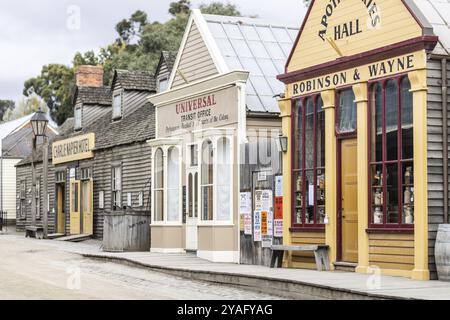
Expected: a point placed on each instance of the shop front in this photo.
(73, 159)
(357, 114)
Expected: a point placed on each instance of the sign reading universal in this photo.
(73, 149)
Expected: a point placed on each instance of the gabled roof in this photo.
(255, 45)
(134, 80)
(100, 96)
(7, 128)
(167, 57)
(437, 14)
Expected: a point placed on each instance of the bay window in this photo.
(173, 185)
(207, 181)
(391, 154)
(158, 178)
(309, 163)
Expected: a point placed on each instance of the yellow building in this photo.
(366, 170)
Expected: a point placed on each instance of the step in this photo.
(75, 238)
(54, 236)
(345, 266)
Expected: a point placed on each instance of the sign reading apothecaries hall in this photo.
(73, 149)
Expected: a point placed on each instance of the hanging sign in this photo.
(257, 226)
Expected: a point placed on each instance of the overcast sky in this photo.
(35, 33)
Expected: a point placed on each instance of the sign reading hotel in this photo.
(379, 69)
(73, 149)
(213, 109)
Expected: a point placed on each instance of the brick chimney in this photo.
(89, 76)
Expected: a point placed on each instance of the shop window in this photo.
(346, 112)
(159, 186)
(173, 185)
(38, 197)
(391, 160)
(223, 180)
(309, 163)
(117, 187)
(207, 181)
(78, 118)
(117, 107)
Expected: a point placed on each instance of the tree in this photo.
(26, 107)
(130, 29)
(180, 7)
(6, 105)
(220, 9)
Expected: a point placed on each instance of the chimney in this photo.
(89, 76)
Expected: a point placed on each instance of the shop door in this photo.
(61, 221)
(192, 211)
(75, 215)
(87, 207)
(349, 201)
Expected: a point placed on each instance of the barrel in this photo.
(442, 252)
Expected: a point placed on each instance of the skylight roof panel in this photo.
(277, 86)
(250, 33)
(266, 34)
(250, 64)
(443, 32)
(268, 67)
(261, 85)
(274, 50)
(258, 50)
(254, 104)
(270, 103)
(225, 48)
(233, 63)
(217, 30)
(430, 13)
(293, 33)
(280, 64)
(444, 9)
(241, 48)
(281, 34)
(233, 31)
(287, 48)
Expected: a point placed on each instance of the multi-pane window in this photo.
(38, 197)
(309, 163)
(346, 112)
(391, 154)
(158, 187)
(85, 173)
(78, 118)
(207, 181)
(117, 187)
(23, 197)
(117, 107)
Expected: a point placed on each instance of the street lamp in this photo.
(39, 123)
(282, 143)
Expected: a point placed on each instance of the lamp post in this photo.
(39, 124)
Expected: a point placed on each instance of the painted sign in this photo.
(73, 149)
(404, 63)
(257, 237)
(214, 109)
(337, 28)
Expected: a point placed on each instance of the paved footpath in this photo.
(289, 283)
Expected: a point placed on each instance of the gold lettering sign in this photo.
(73, 149)
(375, 70)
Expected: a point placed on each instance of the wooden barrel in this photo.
(442, 252)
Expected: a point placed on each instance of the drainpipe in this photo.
(445, 136)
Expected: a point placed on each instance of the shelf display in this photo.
(378, 198)
(408, 198)
(299, 199)
(321, 199)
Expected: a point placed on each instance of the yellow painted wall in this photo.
(396, 24)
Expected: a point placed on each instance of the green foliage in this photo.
(138, 47)
(6, 105)
(26, 107)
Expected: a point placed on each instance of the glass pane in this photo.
(274, 50)
(233, 31)
(191, 196)
(309, 197)
(261, 85)
(377, 194)
(224, 180)
(408, 193)
(159, 169)
(173, 184)
(281, 34)
(320, 133)
(298, 190)
(347, 111)
(258, 49)
(75, 197)
(241, 48)
(250, 64)
(309, 134)
(226, 48)
(196, 195)
(207, 163)
(207, 210)
(391, 120)
(250, 32)
(85, 190)
(407, 119)
(268, 68)
(320, 196)
(280, 64)
(265, 34)
(377, 124)
(392, 194)
(233, 63)
(217, 30)
(298, 141)
(159, 205)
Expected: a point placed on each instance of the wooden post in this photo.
(33, 185)
(45, 186)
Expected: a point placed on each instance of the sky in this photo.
(36, 33)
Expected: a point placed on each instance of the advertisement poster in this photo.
(258, 200)
(267, 241)
(257, 226)
(279, 208)
(278, 186)
(246, 202)
(267, 200)
(248, 224)
(264, 223)
(278, 228)
(270, 223)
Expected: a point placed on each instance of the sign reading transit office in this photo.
(73, 149)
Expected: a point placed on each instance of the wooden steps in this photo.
(54, 236)
(75, 238)
(345, 266)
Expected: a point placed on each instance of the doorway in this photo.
(192, 210)
(348, 207)
(87, 207)
(75, 210)
(60, 214)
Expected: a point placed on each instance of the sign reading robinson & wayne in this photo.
(73, 149)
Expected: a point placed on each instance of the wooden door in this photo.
(61, 221)
(87, 197)
(349, 201)
(75, 215)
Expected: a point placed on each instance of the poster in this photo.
(246, 202)
(279, 208)
(264, 223)
(267, 241)
(278, 186)
(270, 223)
(257, 226)
(278, 228)
(266, 198)
(248, 224)
(258, 200)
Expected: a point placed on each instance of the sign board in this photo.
(262, 176)
(214, 109)
(73, 149)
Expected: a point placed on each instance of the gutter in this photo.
(445, 136)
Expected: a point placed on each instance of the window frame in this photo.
(115, 116)
(78, 125)
(114, 190)
(37, 197)
(304, 227)
(399, 227)
(337, 118)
